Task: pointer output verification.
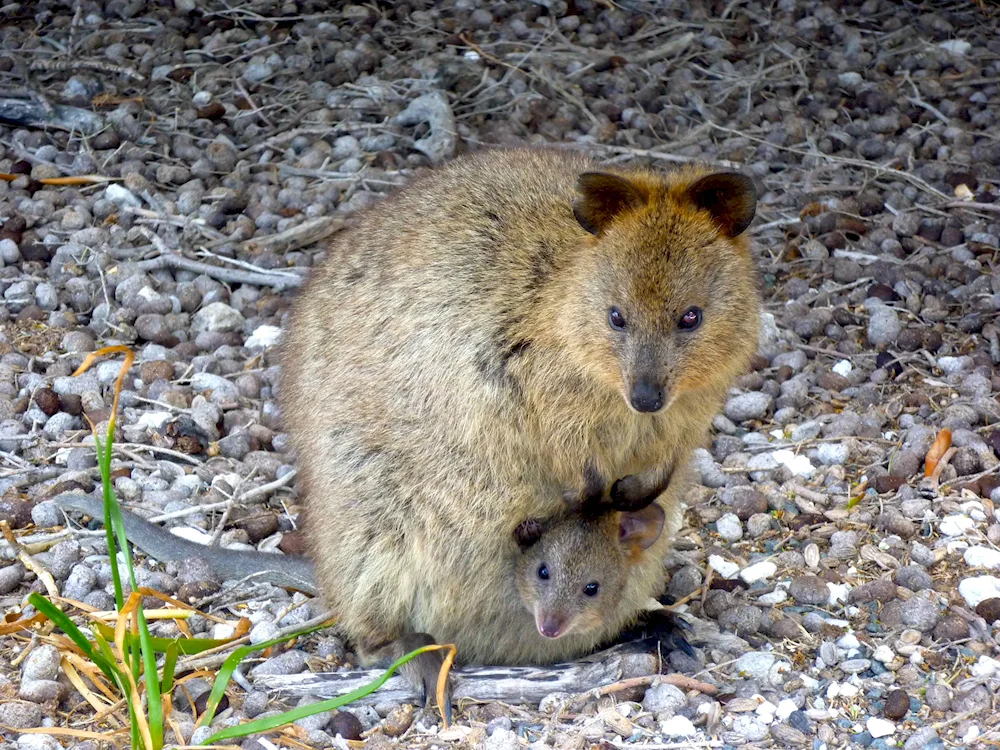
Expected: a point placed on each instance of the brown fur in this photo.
(449, 369)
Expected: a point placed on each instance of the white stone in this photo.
(777, 596)
(985, 667)
(729, 527)
(786, 708)
(842, 368)
(217, 316)
(955, 46)
(121, 196)
(883, 654)
(975, 590)
(956, 525)
(982, 557)
(833, 454)
(797, 463)
(263, 337)
(758, 571)
(848, 641)
(838, 592)
(153, 419)
(880, 727)
(677, 726)
(724, 567)
(192, 534)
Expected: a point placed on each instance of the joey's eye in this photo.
(543, 572)
(690, 320)
(592, 588)
(616, 319)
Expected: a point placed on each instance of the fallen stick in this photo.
(514, 685)
(175, 261)
(27, 112)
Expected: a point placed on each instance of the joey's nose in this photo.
(647, 396)
(549, 626)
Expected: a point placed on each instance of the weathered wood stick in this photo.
(27, 112)
(506, 684)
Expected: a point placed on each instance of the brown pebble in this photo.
(897, 704)
(888, 483)
(156, 370)
(989, 610)
(257, 524)
(17, 513)
(951, 628)
(196, 590)
(292, 543)
(398, 720)
(71, 403)
(212, 111)
(31, 312)
(347, 726)
(47, 400)
(37, 252)
(882, 590)
(831, 381)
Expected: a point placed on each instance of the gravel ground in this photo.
(844, 599)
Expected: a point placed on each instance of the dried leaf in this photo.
(82, 179)
(941, 445)
(963, 193)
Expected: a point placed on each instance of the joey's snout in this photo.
(647, 395)
(549, 625)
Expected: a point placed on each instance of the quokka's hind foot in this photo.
(422, 671)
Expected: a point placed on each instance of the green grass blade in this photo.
(154, 704)
(104, 462)
(169, 666)
(230, 664)
(67, 626)
(186, 646)
(273, 722)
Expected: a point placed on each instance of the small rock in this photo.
(833, 454)
(288, 662)
(920, 614)
(399, 720)
(982, 557)
(746, 406)
(42, 663)
(677, 726)
(20, 714)
(11, 576)
(977, 589)
(989, 610)
(730, 528)
(664, 699)
(951, 628)
(854, 666)
(218, 317)
(883, 327)
(913, 577)
(758, 571)
(346, 725)
(880, 727)
(897, 705)
(809, 589)
(938, 697)
(788, 736)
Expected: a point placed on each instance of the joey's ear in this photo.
(730, 197)
(527, 533)
(602, 198)
(642, 527)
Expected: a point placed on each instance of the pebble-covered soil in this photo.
(843, 598)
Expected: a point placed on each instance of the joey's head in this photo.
(571, 571)
(666, 299)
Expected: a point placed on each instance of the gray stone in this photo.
(883, 327)
(288, 662)
(218, 317)
(20, 714)
(81, 581)
(809, 589)
(753, 405)
(920, 614)
(913, 577)
(42, 663)
(833, 454)
(664, 699)
(729, 527)
(223, 390)
(11, 576)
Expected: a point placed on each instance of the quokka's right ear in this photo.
(604, 197)
(527, 533)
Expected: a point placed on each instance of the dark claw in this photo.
(663, 628)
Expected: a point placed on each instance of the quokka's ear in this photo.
(730, 197)
(642, 527)
(527, 533)
(603, 197)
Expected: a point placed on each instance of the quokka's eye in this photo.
(543, 572)
(615, 319)
(690, 320)
(592, 588)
